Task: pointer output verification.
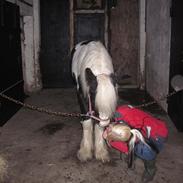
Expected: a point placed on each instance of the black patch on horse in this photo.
(113, 79)
(71, 57)
(86, 42)
(92, 83)
(90, 77)
(83, 102)
(72, 53)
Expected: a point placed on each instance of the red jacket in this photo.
(140, 120)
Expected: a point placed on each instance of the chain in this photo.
(12, 86)
(64, 114)
(154, 102)
(40, 109)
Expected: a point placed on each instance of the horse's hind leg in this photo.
(101, 152)
(86, 146)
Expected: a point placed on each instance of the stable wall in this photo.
(30, 43)
(124, 43)
(158, 31)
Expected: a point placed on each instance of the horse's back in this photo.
(93, 55)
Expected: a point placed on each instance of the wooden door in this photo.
(89, 27)
(55, 50)
(175, 103)
(124, 41)
(88, 21)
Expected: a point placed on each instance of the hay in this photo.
(3, 168)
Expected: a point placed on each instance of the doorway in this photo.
(67, 22)
(175, 103)
(88, 21)
(11, 77)
(55, 48)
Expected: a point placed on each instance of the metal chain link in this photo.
(64, 114)
(40, 109)
(154, 102)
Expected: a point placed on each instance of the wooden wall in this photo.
(124, 40)
(158, 32)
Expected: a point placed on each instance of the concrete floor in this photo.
(41, 148)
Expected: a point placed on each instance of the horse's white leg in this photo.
(101, 152)
(86, 146)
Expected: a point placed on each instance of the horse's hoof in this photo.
(104, 157)
(84, 155)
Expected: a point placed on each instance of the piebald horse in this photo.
(93, 72)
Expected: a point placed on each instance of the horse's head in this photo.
(103, 93)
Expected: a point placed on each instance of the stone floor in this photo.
(41, 148)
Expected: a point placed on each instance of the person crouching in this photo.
(139, 134)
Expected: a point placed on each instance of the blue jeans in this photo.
(149, 152)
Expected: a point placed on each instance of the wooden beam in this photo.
(71, 26)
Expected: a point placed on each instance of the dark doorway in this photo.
(90, 21)
(55, 50)
(89, 27)
(11, 79)
(175, 107)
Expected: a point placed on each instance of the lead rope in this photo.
(91, 112)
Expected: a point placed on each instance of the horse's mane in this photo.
(106, 96)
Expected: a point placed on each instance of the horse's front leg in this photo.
(101, 152)
(86, 146)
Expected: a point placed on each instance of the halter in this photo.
(91, 112)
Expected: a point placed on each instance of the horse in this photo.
(93, 71)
